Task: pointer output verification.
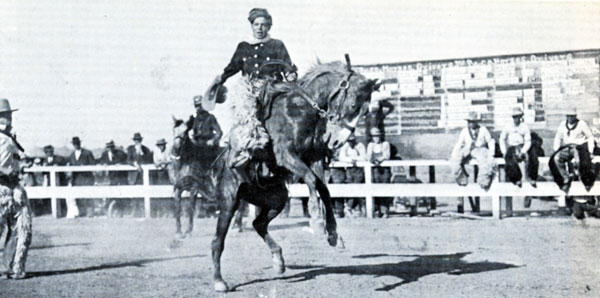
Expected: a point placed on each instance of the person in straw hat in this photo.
(15, 209)
(515, 144)
(574, 144)
(263, 62)
(352, 152)
(474, 142)
(379, 151)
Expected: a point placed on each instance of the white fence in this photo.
(368, 190)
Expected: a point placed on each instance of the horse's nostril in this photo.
(335, 144)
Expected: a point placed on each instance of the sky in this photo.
(103, 70)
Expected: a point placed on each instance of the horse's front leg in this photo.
(228, 203)
(293, 163)
(331, 225)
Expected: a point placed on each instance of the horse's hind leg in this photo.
(177, 211)
(190, 208)
(261, 224)
(227, 207)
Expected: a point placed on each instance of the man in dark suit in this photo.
(54, 160)
(137, 155)
(114, 156)
(82, 157)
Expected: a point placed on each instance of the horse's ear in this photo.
(372, 85)
(376, 85)
(174, 119)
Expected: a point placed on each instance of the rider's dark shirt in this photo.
(207, 128)
(248, 59)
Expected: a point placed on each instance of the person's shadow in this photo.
(409, 271)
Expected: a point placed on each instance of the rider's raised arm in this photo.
(235, 65)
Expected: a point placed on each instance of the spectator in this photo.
(137, 155)
(378, 110)
(515, 144)
(573, 143)
(27, 178)
(80, 157)
(474, 142)
(161, 159)
(54, 160)
(114, 156)
(378, 151)
(352, 152)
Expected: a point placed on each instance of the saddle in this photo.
(271, 90)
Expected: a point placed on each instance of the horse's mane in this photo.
(319, 69)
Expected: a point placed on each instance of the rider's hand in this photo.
(291, 76)
(210, 142)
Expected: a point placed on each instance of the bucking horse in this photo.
(304, 127)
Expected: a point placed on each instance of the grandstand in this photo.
(433, 97)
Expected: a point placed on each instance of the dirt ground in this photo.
(438, 256)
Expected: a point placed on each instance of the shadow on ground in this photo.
(408, 271)
(136, 263)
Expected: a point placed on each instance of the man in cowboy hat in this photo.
(515, 144)
(573, 143)
(137, 155)
(379, 151)
(80, 157)
(474, 142)
(207, 131)
(15, 210)
(114, 156)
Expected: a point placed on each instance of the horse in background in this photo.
(189, 171)
(304, 125)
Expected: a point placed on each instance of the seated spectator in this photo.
(515, 144)
(352, 152)
(474, 142)
(114, 156)
(379, 151)
(80, 157)
(137, 155)
(574, 147)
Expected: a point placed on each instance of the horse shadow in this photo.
(53, 246)
(407, 271)
(135, 263)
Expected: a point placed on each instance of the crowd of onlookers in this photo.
(135, 154)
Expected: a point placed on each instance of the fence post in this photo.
(53, 199)
(496, 206)
(147, 206)
(368, 185)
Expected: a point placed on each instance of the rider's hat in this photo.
(5, 106)
(216, 93)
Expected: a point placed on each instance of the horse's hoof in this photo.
(221, 286)
(332, 239)
(179, 236)
(278, 263)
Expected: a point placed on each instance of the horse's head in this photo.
(180, 134)
(347, 95)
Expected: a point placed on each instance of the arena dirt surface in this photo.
(395, 257)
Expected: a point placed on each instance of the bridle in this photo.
(333, 115)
